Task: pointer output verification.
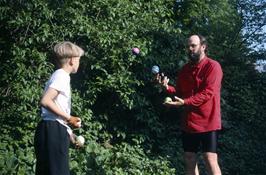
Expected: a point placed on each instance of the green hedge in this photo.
(126, 128)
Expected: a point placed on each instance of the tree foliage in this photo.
(126, 128)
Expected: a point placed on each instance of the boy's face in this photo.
(75, 64)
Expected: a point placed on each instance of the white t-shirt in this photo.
(60, 81)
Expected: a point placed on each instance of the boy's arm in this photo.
(47, 102)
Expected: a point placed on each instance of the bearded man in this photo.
(198, 89)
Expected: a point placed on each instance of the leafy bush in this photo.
(126, 128)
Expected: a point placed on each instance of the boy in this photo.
(52, 137)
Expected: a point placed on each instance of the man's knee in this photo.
(211, 157)
(212, 163)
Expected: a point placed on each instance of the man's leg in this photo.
(211, 160)
(191, 163)
(191, 144)
(209, 143)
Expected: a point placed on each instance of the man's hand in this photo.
(162, 80)
(74, 121)
(176, 103)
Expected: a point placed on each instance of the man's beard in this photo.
(194, 57)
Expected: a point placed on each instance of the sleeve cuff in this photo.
(170, 89)
(186, 101)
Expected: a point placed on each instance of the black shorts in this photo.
(51, 145)
(194, 142)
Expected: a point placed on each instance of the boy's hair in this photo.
(65, 50)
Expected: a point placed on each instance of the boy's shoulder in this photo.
(60, 75)
(59, 80)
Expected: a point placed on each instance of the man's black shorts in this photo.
(205, 142)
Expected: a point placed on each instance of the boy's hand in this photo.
(73, 139)
(74, 121)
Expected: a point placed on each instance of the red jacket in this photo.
(199, 85)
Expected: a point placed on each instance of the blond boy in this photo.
(52, 137)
